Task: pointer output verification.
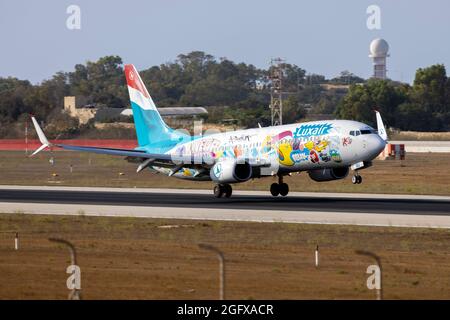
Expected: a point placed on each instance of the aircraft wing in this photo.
(144, 158)
(117, 152)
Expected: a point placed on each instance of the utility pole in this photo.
(26, 137)
(221, 267)
(276, 94)
(73, 283)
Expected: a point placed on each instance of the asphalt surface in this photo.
(236, 202)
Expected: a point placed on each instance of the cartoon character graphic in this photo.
(335, 155)
(267, 145)
(237, 151)
(309, 145)
(325, 157)
(296, 144)
(284, 141)
(254, 152)
(321, 145)
(346, 141)
(313, 156)
(218, 154)
(299, 156)
(284, 154)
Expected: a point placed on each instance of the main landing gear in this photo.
(222, 189)
(279, 188)
(356, 179)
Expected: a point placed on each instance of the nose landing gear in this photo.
(356, 179)
(279, 188)
(222, 190)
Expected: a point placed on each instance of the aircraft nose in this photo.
(378, 145)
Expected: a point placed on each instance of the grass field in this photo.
(419, 136)
(420, 173)
(132, 258)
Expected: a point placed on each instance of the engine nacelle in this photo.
(230, 171)
(320, 175)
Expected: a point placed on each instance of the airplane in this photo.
(326, 150)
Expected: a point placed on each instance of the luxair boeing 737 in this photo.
(326, 150)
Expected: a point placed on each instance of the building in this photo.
(84, 113)
(379, 49)
(77, 107)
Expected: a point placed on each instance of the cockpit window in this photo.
(368, 131)
(364, 131)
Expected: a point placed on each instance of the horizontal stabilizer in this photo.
(42, 138)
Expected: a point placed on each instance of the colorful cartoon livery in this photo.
(327, 150)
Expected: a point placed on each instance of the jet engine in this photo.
(229, 171)
(320, 175)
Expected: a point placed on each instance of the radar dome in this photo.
(379, 48)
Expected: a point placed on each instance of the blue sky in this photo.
(322, 36)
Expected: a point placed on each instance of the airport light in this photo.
(221, 266)
(378, 260)
(75, 294)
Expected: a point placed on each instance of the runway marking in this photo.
(235, 192)
(256, 206)
(266, 216)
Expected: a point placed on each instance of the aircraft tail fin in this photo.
(150, 127)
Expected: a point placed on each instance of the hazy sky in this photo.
(322, 36)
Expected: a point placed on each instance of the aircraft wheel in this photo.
(228, 190)
(218, 191)
(359, 180)
(355, 179)
(275, 189)
(284, 189)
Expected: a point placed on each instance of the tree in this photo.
(292, 110)
(428, 106)
(327, 104)
(102, 82)
(361, 101)
(346, 77)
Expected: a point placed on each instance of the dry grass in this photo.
(419, 136)
(418, 174)
(132, 258)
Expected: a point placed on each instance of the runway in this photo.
(384, 210)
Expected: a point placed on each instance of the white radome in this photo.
(378, 48)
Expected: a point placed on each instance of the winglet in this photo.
(380, 127)
(42, 137)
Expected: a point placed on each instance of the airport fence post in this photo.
(372, 255)
(16, 241)
(221, 267)
(75, 293)
(317, 256)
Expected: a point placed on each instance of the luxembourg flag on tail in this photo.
(137, 90)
